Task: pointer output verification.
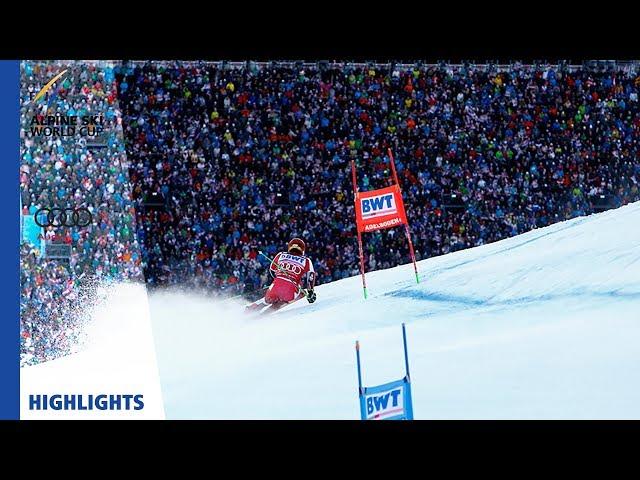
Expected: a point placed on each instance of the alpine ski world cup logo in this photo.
(63, 217)
(53, 124)
(48, 86)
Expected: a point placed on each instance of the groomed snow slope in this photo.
(545, 325)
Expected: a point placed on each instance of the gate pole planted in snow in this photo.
(355, 196)
(406, 354)
(407, 232)
(359, 370)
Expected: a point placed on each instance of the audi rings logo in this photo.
(63, 217)
(290, 267)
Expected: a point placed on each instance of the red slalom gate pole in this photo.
(393, 168)
(406, 225)
(413, 255)
(355, 197)
(364, 281)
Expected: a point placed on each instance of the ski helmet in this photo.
(296, 244)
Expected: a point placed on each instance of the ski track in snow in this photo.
(542, 325)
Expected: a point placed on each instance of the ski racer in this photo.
(294, 278)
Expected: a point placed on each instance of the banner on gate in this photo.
(380, 209)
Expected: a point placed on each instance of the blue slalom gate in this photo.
(390, 401)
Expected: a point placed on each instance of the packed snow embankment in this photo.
(542, 325)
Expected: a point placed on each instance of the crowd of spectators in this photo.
(246, 157)
(69, 172)
(207, 164)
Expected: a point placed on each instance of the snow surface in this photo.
(545, 325)
(118, 358)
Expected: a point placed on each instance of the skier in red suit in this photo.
(294, 278)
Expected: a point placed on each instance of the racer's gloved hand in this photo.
(311, 296)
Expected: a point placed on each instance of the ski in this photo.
(260, 308)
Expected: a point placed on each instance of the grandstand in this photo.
(204, 163)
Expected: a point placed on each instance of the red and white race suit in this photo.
(289, 271)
